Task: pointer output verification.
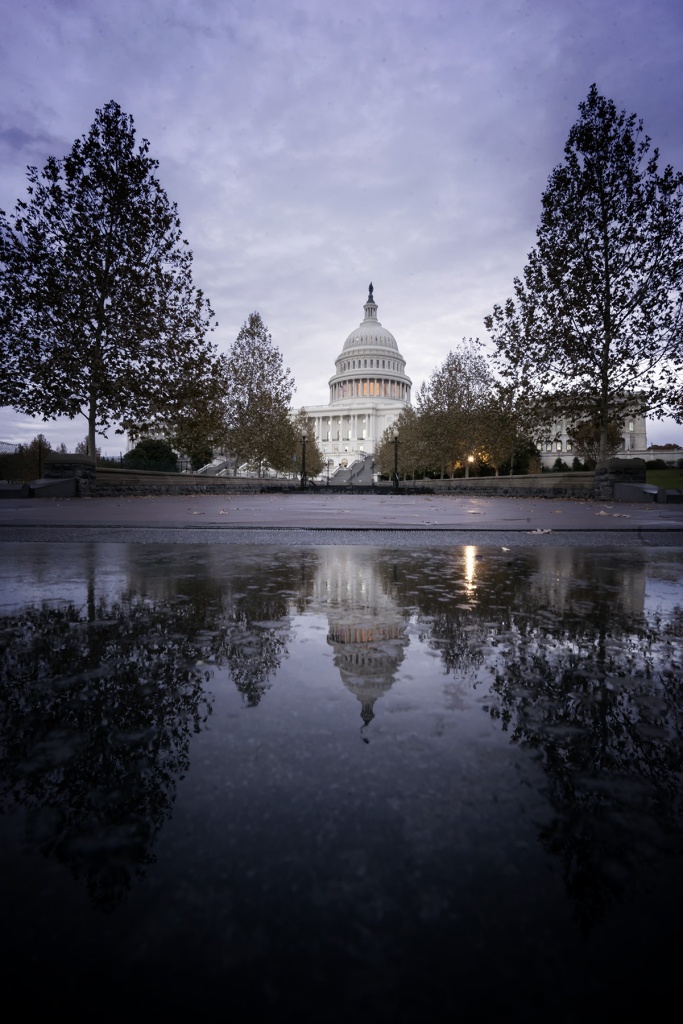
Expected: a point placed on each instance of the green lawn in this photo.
(671, 478)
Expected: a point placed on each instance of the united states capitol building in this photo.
(370, 387)
(368, 390)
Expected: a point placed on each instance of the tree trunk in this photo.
(92, 418)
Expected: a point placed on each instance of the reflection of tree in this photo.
(245, 606)
(98, 703)
(451, 609)
(95, 723)
(252, 653)
(581, 676)
(599, 698)
(253, 639)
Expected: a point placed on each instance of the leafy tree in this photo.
(82, 449)
(513, 413)
(413, 452)
(258, 395)
(27, 462)
(560, 466)
(152, 453)
(315, 457)
(198, 430)
(453, 406)
(99, 316)
(597, 318)
(586, 438)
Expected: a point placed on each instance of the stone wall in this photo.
(118, 482)
(107, 482)
(135, 482)
(69, 466)
(533, 485)
(618, 471)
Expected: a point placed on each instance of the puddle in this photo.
(369, 776)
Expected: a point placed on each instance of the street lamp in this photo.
(470, 460)
(303, 460)
(330, 462)
(395, 461)
(372, 471)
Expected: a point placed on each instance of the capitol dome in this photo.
(370, 364)
(370, 333)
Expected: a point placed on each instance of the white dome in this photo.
(370, 334)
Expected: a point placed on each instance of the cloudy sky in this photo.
(313, 146)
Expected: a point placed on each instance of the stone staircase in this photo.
(359, 473)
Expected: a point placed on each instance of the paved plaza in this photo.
(335, 518)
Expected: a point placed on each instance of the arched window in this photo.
(366, 362)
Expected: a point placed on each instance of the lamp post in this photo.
(330, 462)
(470, 460)
(372, 471)
(303, 460)
(395, 461)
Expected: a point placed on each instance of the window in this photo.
(570, 446)
(548, 446)
(630, 425)
(365, 363)
(382, 364)
(558, 446)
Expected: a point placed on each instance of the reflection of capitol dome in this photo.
(366, 630)
(367, 657)
(368, 392)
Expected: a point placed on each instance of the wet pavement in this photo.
(558, 521)
(408, 770)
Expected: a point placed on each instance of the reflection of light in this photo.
(470, 566)
(470, 458)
